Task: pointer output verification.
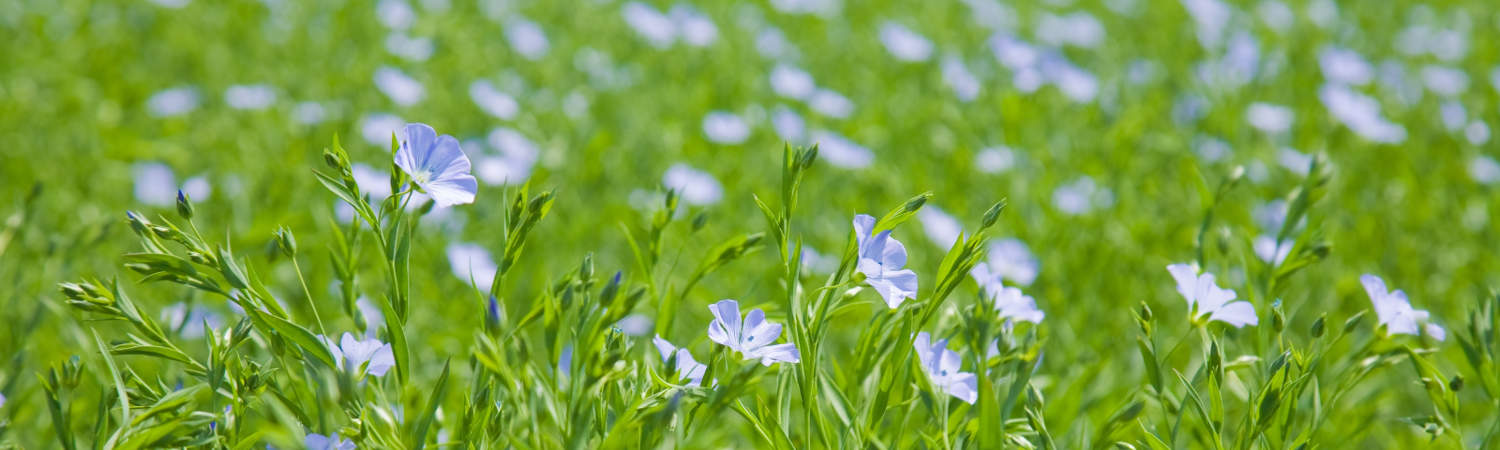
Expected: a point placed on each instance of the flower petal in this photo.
(1238, 314)
(725, 329)
(863, 225)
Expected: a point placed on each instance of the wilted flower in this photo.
(687, 368)
(316, 441)
(1394, 311)
(437, 165)
(370, 356)
(1205, 298)
(751, 337)
(942, 368)
(881, 259)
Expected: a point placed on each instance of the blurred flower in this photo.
(1360, 113)
(1078, 29)
(1207, 299)
(173, 102)
(751, 337)
(831, 104)
(155, 184)
(316, 441)
(526, 38)
(942, 368)
(493, 101)
(308, 113)
(369, 356)
(1270, 215)
(437, 165)
(1445, 81)
(723, 127)
(178, 316)
(517, 156)
(651, 24)
(1274, 119)
(1276, 15)
(1081, 196)
(402, 89)
(395, 14)
(940, 226)
(792, 82)
(1212, 17)
(634, 325)
(1484, 169)
(1015, 305)
(824, 8)
(903, 43)
(1268, 249)
(250, 97)
(697, 187)
(471, 261)
(1453, 115)
(1344, 66)
(958, 78)
(840, 151)
(695, 28)
(1394, 311)
(416, 49)
(881, 259)
(372, 314)
(1011, 259)
(1477, 133)
(771, 43)
(377, 129)
(995, 159)
(688, 368)
(788, 124)
(1295, 161)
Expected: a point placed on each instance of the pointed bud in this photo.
(184, 206)
(492, 315)
(1318, 326)
(992, 215)
(286, 242)
(916, 203)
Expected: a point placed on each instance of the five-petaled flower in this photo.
(1394, 310)
(1208, 299)
(688, 368)
(881, 258)
(370, 355)
(315, 441)
(751, 337)
(437, 165)
(942, 368)
(1009, 301)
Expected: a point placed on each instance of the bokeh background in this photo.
(1097, 120)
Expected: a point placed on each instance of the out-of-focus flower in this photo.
(695, 28)
(1268, 249)
(697, 187)
(1394, 311)
(315, 441)
(250, 96)
(831, 104)
(1011, 259)
(471, 261)
(657, 28)
(942, 228)
(493, 101)
(173, 102)
(398, 86)
(688, 369)
(793, 82)
(723, 127)
(1274, 119)
(995, 159)
(527, 38)
(437, 165)
(841, 151)
(957, 76)
(1360, 113)
(155, 184)
(904, 44)
(1484, 169)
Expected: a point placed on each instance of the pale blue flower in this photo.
(752, 337)
(942, 368)
(1208, 299)
(315, 441)
(437, 165)
(688, 368)
(881, 259)
(369, 356)
(1394, 311)
(697, 187)
(1015, 305)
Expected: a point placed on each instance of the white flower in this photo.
(1394, 311)
(316, 441)
(881, 258)
(904, 44)
(527, 38)
(1205, 298)
(401, 88)
(437, 165)
(697, 187)
(752, 337)
(493, 101)
(173, 102)
(688, 368)
(942, 368)
(723, 127)
(250, 97)
(842, 152)
(471, 260)
(368, 356)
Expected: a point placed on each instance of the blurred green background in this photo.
(1102, 188)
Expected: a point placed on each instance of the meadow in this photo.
(785, 224)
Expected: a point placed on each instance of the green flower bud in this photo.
(184, 206)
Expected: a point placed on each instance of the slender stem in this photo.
(305, 291)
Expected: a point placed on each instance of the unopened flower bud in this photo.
(184, 206)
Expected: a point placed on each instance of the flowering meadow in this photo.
(790, 224)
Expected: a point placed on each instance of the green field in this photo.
(638, 162)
